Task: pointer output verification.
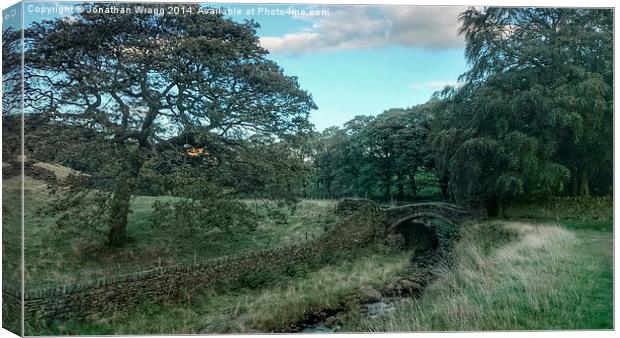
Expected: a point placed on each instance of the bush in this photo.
(199, 218)
(447, 235)
(350, 205)
(201, 207)
(556, 208)
(81, 214)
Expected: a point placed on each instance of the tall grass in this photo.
(330, 288)
(548, 278)
(266, 309)
(53, 257)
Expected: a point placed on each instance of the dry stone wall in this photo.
(106, 296)
(11, 310)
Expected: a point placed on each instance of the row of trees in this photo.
(375, 157)
(533, 117)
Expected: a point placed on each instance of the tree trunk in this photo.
(584, 183)
(574, 186)
(414, 185)
(443, 183)
(388, 188)
(493, 207)
(580, 181)
(120, 205)
(574, 181)
(401, 187)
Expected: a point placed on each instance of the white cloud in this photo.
(295, 42)
(355, 27)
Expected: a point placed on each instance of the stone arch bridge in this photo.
(414, 223)
(425, 212)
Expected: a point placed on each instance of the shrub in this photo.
(81, 213)
(199, 218)
(556, 208)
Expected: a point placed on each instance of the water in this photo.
(371, 309)
(317, 328)
(378, 308)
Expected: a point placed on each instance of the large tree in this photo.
(535, 110)
(141, 80)
(12, 94)
(553, 69)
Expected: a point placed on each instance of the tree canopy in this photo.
(146, 81)
(532, 117)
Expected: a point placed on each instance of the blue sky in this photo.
(362, 60)
(355, 60)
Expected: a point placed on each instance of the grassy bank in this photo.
(283, 300)
(516, 276)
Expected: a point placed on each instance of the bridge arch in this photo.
(422, 218)
(415, 225)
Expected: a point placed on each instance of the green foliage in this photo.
(578, 208)
(525, 102)
(81, 214)
(200, 217)
(201, 207)
(155, 82)
(531, 118)
(447, 235)
(268, 168)
(12, 93)
(375, 157)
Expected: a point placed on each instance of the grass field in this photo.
(548, 266)
(52, 258)
(508, 275)
(504, 275)
(11, 232)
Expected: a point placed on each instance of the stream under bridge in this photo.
(414, 225)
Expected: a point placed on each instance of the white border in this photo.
(510, 3)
